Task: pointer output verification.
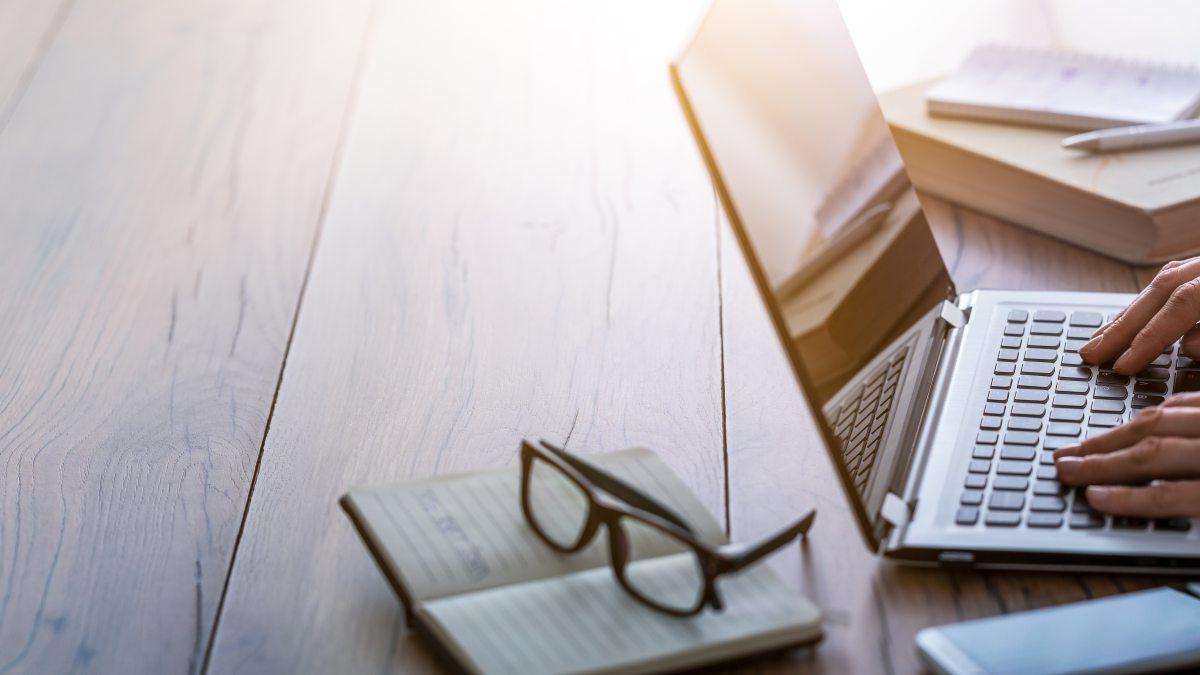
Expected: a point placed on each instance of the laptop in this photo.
(941, 410)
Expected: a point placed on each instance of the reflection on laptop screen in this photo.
(818, 191)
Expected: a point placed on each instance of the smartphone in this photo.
(1147, 631)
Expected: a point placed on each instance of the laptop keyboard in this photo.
(863, 416)
(1043, 397)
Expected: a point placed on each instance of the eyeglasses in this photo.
(566, 499)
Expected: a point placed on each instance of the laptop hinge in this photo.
(894, 510)
(953, 315)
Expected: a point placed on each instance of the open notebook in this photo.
(1064, 89)
(493, 598)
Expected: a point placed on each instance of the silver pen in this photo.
(1137, 136)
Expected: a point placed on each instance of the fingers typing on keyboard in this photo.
(1161, 314)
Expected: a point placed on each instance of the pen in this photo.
(1138, 136)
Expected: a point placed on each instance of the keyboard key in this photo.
(1079, 333)
(975, 481)
(1093, 432)
(1072, 359)
(1010, 342)
(1067, 387)
(997, 395)
(1051, 315)
(1001, 382)
(1088, 319)
(1109, 377)
(1046, 503)
(1020, 438)
(1056, 442)
(983, 451)
(1063, 429)
(1183, 363)
(1042, 342)
(1011, 483)
(1031, 396)
(1162, 361)
(993, 409)
(1033, 368)
(1173, 524)
(1029, 409)
(971, 498)
(1069, 401)
(1153, 373)
(1045, 328)
(1086, 521)
(1187, 380)
(987, 437)
(1007, 355)
(1108, 406)
(1033, 382)
(980, 466)
(1018, 316)
(967, 515)
(1046, 458)
(1111, 391)
(1076, 373)
(1145, 400)
(1014, 468)
(990, 422)
(1047, 487)
(1006, 501)
(1104, 420)
(1005, 368)
(1047, 473)
(1126, 523)
(1066, 415)
(1150, 387)
(1014, 330)
(1073, 347)
(1043, 519)
(1046, 355)
(1003, 518)
(1025, 424)
(1017, 452)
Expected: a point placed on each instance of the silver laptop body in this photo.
(940, 410)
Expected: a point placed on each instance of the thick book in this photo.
(491, 597)
(1064, 89)
(1141, 207)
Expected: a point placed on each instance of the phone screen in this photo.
(1147, 630)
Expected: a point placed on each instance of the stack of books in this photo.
(989, 137)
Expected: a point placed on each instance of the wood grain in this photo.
(777, 467)
(162, 178)
(27, 28)
(522, 243)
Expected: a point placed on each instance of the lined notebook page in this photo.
(585, 622)
(1064, 89)
(455, 534)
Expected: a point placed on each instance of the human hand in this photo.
(1169, 308)
(1159, 447)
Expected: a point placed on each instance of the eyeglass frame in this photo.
(611, 498)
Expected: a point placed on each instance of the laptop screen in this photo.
(817, 191)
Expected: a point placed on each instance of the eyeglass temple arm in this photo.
(740, 557)
(619, 488)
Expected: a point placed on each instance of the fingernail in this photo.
(1122, 363)
(1068, 467)
(1097, 496)
(1068, 451)
(1092, 345)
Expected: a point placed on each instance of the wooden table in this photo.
(253, 252)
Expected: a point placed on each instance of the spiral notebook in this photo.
(1064, 90)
